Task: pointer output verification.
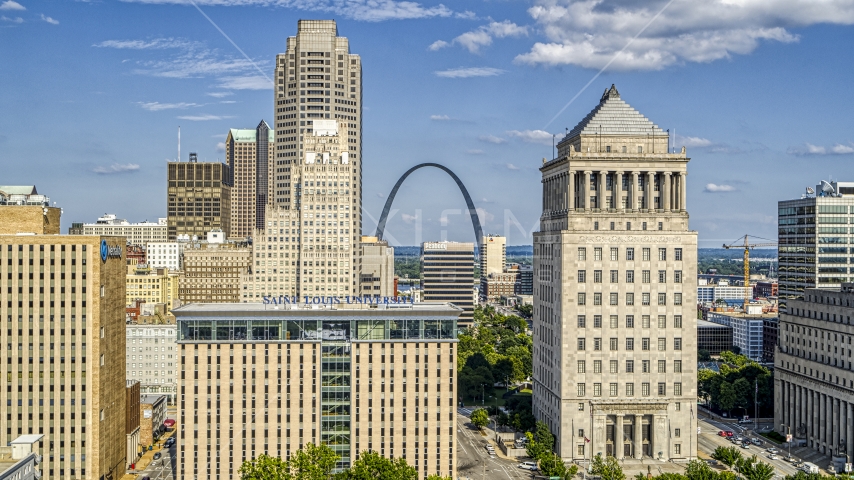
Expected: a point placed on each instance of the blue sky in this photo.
(758, 90)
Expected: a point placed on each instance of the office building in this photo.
(63, 310)
(747, 329)
(132, 396)
(198, 199)
(614, 356)
(813, 375)
(497, 285)
(493, 254)
(134, 255)
(766, 289)
(152, 415)
(250, 154)
(213, 270)
(376, 273)
(712, 292)
(25, 211)
(167, 255)
(151, 359)
(151, 286)
(348, 376)
(770, 334)
(138, 234)
(525, 285)
(274, 267)
(318, 170)
(713, 337)
(813, 237)
(19, 461)
(447, 270)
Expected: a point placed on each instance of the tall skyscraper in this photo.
(493, 254)
(250, 154)
(318, 172)
(614, 356)
(63, 342)
(813, 240)
(279, 378)
(198, 199)
(447, 269)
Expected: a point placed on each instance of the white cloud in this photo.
(11, 5)
(437, 45)
(409, 218)
(157, 106)
(220, 147)
(248, 82)
(116, 168)
(202, 118)
(364, 10)
(680, 141)
(810, 149)
(50, 20)
(483, 35)
(712, 188)
(155, 44)
(510, 166)
(12, 19)
(590, 33)
(439, 118)
(474, 151)
(467, 72)
(492, 139)
(532, 136)
(220, 94)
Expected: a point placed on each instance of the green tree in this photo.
(703, 356)
(607, 469)
(729, 456)
(752, 469)
(479, 418)
(540, 442)
(264, 468)
(743, 393)
(726, 396)
(314, 462)
(439, 477)
(372, 466)
(698, 470)
(502, 419)
(551, 465)
(801, 475)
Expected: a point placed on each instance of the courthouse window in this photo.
(581, 366)
(615, 274)
(630, 276)
(582, 321)
(613, 366)
(597, 389)
(662, 321)
(597, 276)
(662, 254)
(630, 366)
(630, 389)
(677, 389)
(613, 321)
(597, 253)
(612, 389)
(630, 344)
(582, 253)
(597, 299)
(614, 254)
(645, 276)
(645, 389)
(630, 252)
(646, 253)
(582, 298)
(678, 253)
(597, 366)
(677, 276)
(677, 299)
(580, 389)
(677, 366)
(613, 298)
(677, 321)
(582, 276)
(597, 321)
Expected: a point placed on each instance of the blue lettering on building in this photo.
(307, 300)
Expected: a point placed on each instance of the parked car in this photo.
(756, 441)
(773, 450)
(722, 433)
(773, 456)
(170, 441)
(528, 466)
(157, 456)
(729, 433)
(745, 446)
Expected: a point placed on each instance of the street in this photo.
(473, 462)
(709, 440)
(163, 468)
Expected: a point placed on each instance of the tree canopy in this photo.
(735, 385)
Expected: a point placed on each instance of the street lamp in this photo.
(788, 437)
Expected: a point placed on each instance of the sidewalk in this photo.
(148, 457)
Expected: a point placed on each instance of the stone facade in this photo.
(814, 378)
(152, 413)
(132, 394)
(29, 219)
(151, 359)
(615, 288)
(213, 271)
(376, 277)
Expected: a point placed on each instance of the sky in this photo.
(759, 91)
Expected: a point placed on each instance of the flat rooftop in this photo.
(302, 309)
(708, 324)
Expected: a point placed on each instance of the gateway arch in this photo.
(475, 220)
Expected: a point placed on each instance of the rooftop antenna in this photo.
(179, 143)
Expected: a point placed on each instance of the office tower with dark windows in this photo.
(447, 270)
(198, 198)
(355, 377)
(615, 333)
(813, 236)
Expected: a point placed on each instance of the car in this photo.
(157, 456)
(790, 459)
(745, 446)
(170, 441)
(722, 433)
(528, 466)
(739, 438)
(773, 450)
(773, 456)
(756, 441)
(729, 433)
(145, 478)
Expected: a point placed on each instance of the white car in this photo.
(773, 457)
(773, 450)
(745, 446)
(528, 466)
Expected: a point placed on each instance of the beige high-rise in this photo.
(250, 154)
(318, 172)
(493, 254)
(63, 340)
(615, 349)
(254, 379)
(376, 277)
(212, 272)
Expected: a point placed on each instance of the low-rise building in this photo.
(713, 337)
(813, 376)
(165, 255)
(747, 328)
(151, 359)
(712, 292)
(151, 286)
(138, 234)
(152, 415)
(213, 270)
(25, 211)
(525, 285)
(18, 461)
(497, 285)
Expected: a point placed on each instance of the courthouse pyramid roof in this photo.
(613, 116)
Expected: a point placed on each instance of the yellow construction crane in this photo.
(747, 246)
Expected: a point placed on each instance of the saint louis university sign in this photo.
(306, 300)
